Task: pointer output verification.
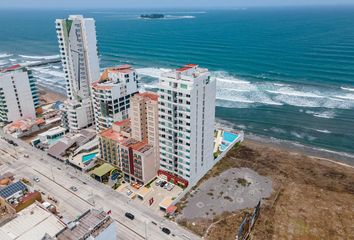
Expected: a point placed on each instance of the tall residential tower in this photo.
(186, 123)
(78, 50)
(18, 94)
(111, 95)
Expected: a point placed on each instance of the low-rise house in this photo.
(49, 137)
(93, 225)
(19, 196)
(67, 145)
(24, 127)
(34, 223)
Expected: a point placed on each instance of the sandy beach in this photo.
(50, 96)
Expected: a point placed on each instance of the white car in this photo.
(157, 182)
(36, 179)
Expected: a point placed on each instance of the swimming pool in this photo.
(229, 137)
(223, 147)
(88, 157)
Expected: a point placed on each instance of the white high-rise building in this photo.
(78, 50)
(111, 95)
(18, 94)
(186, 123)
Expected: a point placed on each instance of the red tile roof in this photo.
(14, 67)
(122, 123)
(186, 67)
(151, 95)
(112, 135)
(104, 76)
(139, 145)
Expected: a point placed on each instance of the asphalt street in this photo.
(56, 178)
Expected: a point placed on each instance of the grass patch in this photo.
(243, 182)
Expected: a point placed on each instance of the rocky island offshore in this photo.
(152, 16)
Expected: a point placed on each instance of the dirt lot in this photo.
(311, 199)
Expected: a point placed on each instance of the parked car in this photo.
(26, 155)
(129, 215)
(129, 192)
(158, 182)
(163, 184)
(166, 230)
(170, 186)
(73, 188)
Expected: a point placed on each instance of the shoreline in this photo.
(49, 95)
(344, 159)
(339, 158)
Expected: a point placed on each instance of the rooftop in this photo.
(102, 170)
(187, 67)
(113, 135)
(23, 125)
(123, 122)
(105, 82)
(32, 223)
(189, 72)
(12, 189)
(10, 69)
(150, 95)
(138, 146)
(91, 223)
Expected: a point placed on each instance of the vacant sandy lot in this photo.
(236, 188)
(311, 198)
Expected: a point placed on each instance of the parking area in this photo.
(157, 193)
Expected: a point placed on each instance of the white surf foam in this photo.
(48, 71)
(40, 57)
(347, 89)
(5, 55)
(172, 17)
(323, 131)
(3, 62)
(234, 92)
(346, 97)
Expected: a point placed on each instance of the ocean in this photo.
(283, 73)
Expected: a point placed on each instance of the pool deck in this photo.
(77, 160)
(218, 140)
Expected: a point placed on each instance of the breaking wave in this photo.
(238, 93)
(40, 57)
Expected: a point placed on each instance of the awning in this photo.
(166, 203)
(171, 209)
(102, 170)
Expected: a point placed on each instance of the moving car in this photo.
(166, 230)
(73, 188)
(129, 215)
(36, 179)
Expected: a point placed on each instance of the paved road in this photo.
(56, 178)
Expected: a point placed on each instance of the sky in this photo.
(107, 4)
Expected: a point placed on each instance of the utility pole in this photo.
(51, 168)
(146, 226)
